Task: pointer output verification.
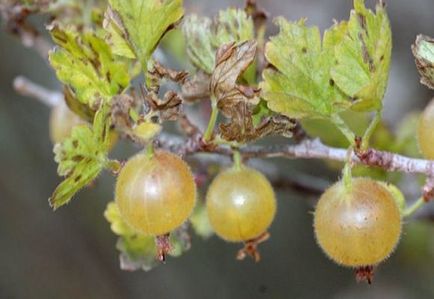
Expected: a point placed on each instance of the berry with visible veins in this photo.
(357, 225)
(155, 192)
(241, 204)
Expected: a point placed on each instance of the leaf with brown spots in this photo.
(138, 251)
(363, 57)
(298, 83)
(84, 62)
(82, 157)
(136, 26)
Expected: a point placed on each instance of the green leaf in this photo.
(85, 62)
(117, 37)
(203, 37)
(198, 37)
(423, 51)
(233, 25)
(138, 251)
(82, 157)
(300, 84)
(363, 57)
(136, 26)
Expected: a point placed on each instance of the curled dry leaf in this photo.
(196, 88)
(231, 61)
(76, 106)
(167, 108)
(423, 51)
(235, 101)
(120, 111)
(159, 72)
(258, 15)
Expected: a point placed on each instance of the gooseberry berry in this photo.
(155, 192)
(357, 225)
(426, 131)
(240, 203)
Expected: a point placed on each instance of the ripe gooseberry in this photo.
(240, 203)
(426, 132)
(155, 192)
(62, 120)
(357, 225)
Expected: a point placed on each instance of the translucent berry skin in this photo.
(62, 120)
(241, 204)
(426, 132)
(155, 194)
(360, 226)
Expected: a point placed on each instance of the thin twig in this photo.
(28, 88)
(307, 149)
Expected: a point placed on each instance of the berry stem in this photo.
(343, 127)
(370, 130)
(150, 150)
(410, 210)
(346, 172)
(212, 120)
(347, 177)
(237, 160)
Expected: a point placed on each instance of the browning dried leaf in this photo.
(276, 125)
(258, 15)
(159, 72)
(120, 111)
(76, 106)
(196, 88)
(236, 102)
(167, 108)
(231, 61)
(423, 51)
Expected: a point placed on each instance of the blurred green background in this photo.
(71, 253)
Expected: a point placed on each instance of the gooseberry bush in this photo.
(319, 95)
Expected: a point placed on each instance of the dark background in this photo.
(71, 253)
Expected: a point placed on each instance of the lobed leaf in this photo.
(363, 57)
(300, 84)
(233, 25)
(423, 51)
(203, 36)
(136, 26)
(198, 36)
(84, 62)
(138, 251)
(82, 157)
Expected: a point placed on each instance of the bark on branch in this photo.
(306, 149)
